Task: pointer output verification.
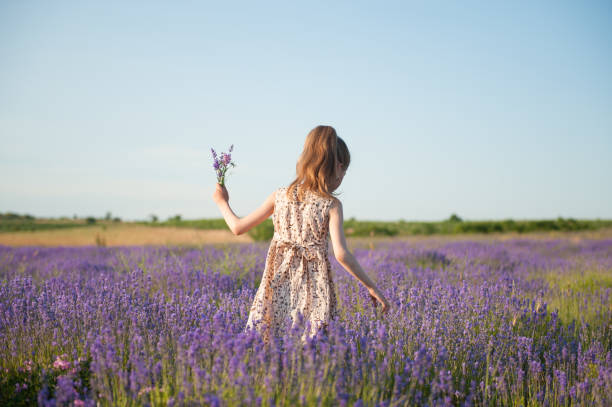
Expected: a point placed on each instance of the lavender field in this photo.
(519, 323)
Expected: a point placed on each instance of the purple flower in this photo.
(222, 164)
(64, 391)
(146, 314)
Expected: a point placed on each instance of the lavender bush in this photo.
(471, 324)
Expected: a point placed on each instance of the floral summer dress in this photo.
(297, 275)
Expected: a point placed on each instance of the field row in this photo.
(515, 322)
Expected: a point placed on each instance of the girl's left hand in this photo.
(376, 297)
(220, 194)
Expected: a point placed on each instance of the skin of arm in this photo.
(238, 225)
(341, 251)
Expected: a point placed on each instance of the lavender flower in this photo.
(128, 320)
(222, 164)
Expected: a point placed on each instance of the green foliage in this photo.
(478, 227)
(454, 226)
(11, 222)
(14, 216)
(20, 386)
(355, 228)
(28, 383)
(454, 218)
(90, 220)
(205, 224)
(263, 231)
(422, 228)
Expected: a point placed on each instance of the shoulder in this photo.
(335, 211)
(279, 192)
(335, 204)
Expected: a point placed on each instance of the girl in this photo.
(297, 278)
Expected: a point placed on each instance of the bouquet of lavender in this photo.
(222, 164)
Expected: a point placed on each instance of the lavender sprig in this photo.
(222, 164)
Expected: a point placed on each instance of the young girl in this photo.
(297, 276)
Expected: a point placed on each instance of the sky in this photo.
(490, 110)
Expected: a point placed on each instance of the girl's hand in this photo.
(376, 296)
(220, 195)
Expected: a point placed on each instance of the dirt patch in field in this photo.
(575, 237)
(134, 235)
(121, 235)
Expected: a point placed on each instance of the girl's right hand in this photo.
(220, 194)
(376, 296)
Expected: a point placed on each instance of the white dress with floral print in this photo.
(297, 275)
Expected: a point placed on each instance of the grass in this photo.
(577, 294)
(587, 281)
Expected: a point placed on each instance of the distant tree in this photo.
(154, 218)
(74, 216)
(108, 216)
(455, 218)
(116, 219)
(175, 218)
(90, 220)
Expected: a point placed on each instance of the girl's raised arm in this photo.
(346, 258)
(237, 225)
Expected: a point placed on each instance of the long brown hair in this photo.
(316, 166)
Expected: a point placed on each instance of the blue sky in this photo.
(490, 110)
